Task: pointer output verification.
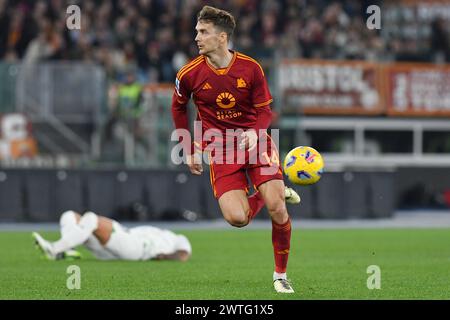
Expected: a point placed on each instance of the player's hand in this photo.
(249, 140)
(194, 163)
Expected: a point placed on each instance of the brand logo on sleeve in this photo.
(177, 87)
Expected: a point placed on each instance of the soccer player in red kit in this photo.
(231, 92)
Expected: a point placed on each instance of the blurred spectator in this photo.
(47, 45)
(125, 118)
(129, 97)
(156, 37)
(440, 42)
(17, 30)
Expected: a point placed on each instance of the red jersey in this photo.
(236, 97)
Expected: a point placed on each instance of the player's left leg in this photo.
(67, 221)
(75, 230)
(76, 234)
(273, 192)
(235, 207)
(230, 185)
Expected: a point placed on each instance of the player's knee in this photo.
(238, 221)
(89, 220)
(277, 209)
(68, 218)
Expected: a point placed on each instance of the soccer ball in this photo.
(303, 165)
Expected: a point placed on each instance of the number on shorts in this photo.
(273, 159)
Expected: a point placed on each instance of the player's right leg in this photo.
(120, 243)
(273, 193)
(267, 177)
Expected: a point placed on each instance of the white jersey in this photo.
(139, 243)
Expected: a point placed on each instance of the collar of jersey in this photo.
(216, 71)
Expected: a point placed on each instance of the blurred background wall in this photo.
(85, 114)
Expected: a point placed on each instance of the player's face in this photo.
(208, 38)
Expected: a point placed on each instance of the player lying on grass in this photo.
(108, 240)
(231, 92)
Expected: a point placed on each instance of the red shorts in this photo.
(229, 171)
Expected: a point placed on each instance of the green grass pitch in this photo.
(238, 264)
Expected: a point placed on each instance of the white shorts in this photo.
(140, 243)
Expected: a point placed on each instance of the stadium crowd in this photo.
(156, 37)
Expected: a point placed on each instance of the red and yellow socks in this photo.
(281, 240)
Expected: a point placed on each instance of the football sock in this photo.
(281, 240)
(73, 235)
(277, 275)
(256, 203)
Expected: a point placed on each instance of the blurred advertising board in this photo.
(418, 89)
(330, 87)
